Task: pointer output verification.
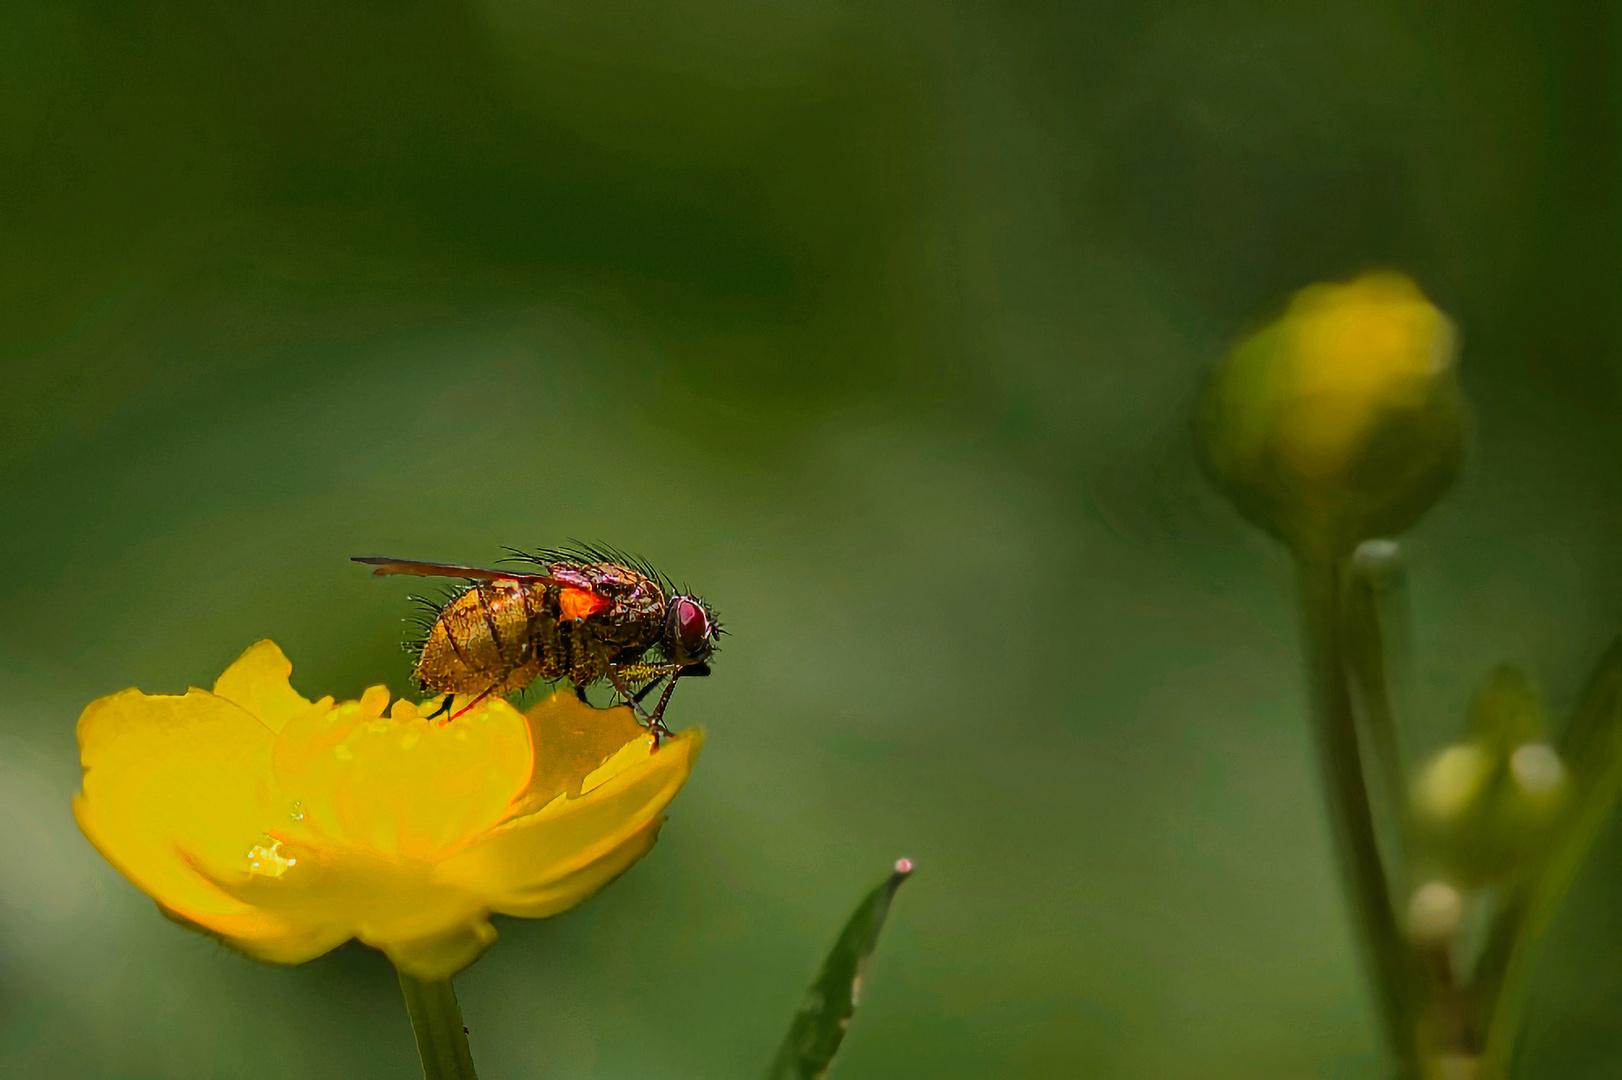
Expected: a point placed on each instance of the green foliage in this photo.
(1592, 750)
(1483, 840)
(820, 1025)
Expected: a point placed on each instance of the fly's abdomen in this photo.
(482, 641)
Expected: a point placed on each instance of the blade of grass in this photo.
(819, 1027)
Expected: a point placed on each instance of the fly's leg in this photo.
(654, 722)
(676, 671)
(444, 706)
(657, 720)
(466, 707)
(650, 688)
(634, 701)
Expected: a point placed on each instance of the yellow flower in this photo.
(285, 827)
(1342, 419)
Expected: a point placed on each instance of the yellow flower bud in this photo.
(1452, 782)
(1486, 817)
(1342, 419)
(284, 827)
(1539, 774)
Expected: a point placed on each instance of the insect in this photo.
(585, 614)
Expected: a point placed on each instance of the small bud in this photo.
(1342, 419)
(1538, 771)
(1537, 796)
(1434, 911)
(1452, 782)
(1487, 812)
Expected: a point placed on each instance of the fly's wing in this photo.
(574, 578)
(386, 566)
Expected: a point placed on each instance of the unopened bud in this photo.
(1434, 911)
(1537, 770)
(1452, 781)
(1342, 419)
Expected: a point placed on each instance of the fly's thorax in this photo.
(582, 648)
(636, 606)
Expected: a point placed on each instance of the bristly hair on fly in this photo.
(428, 614)
(580, 553)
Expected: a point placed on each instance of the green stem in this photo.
(1391, 960)
(436, 1020)
(1364, 647)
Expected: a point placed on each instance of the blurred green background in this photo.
(877, 323)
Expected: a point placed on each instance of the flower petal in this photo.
(257, 681)
(168, 775)
(266, 939)
(401, 785)
(561, 894)
(572, 740)
(514, 866)
(386, 902)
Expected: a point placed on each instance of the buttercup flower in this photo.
(286, 827)
(1342, 419)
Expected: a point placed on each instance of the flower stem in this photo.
(1391, 961)
(436, 1020)
(1370, 587)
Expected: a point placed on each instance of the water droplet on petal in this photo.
(343, 753)
(298, 810)
(269, 861)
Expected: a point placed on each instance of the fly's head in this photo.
(690, 631)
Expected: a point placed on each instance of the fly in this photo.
(584, 614)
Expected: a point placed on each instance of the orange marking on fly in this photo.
(578, 603)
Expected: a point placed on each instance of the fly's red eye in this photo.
(692, 624)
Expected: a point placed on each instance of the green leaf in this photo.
(1592, 750)
(1594, 737)
(819, 1027)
